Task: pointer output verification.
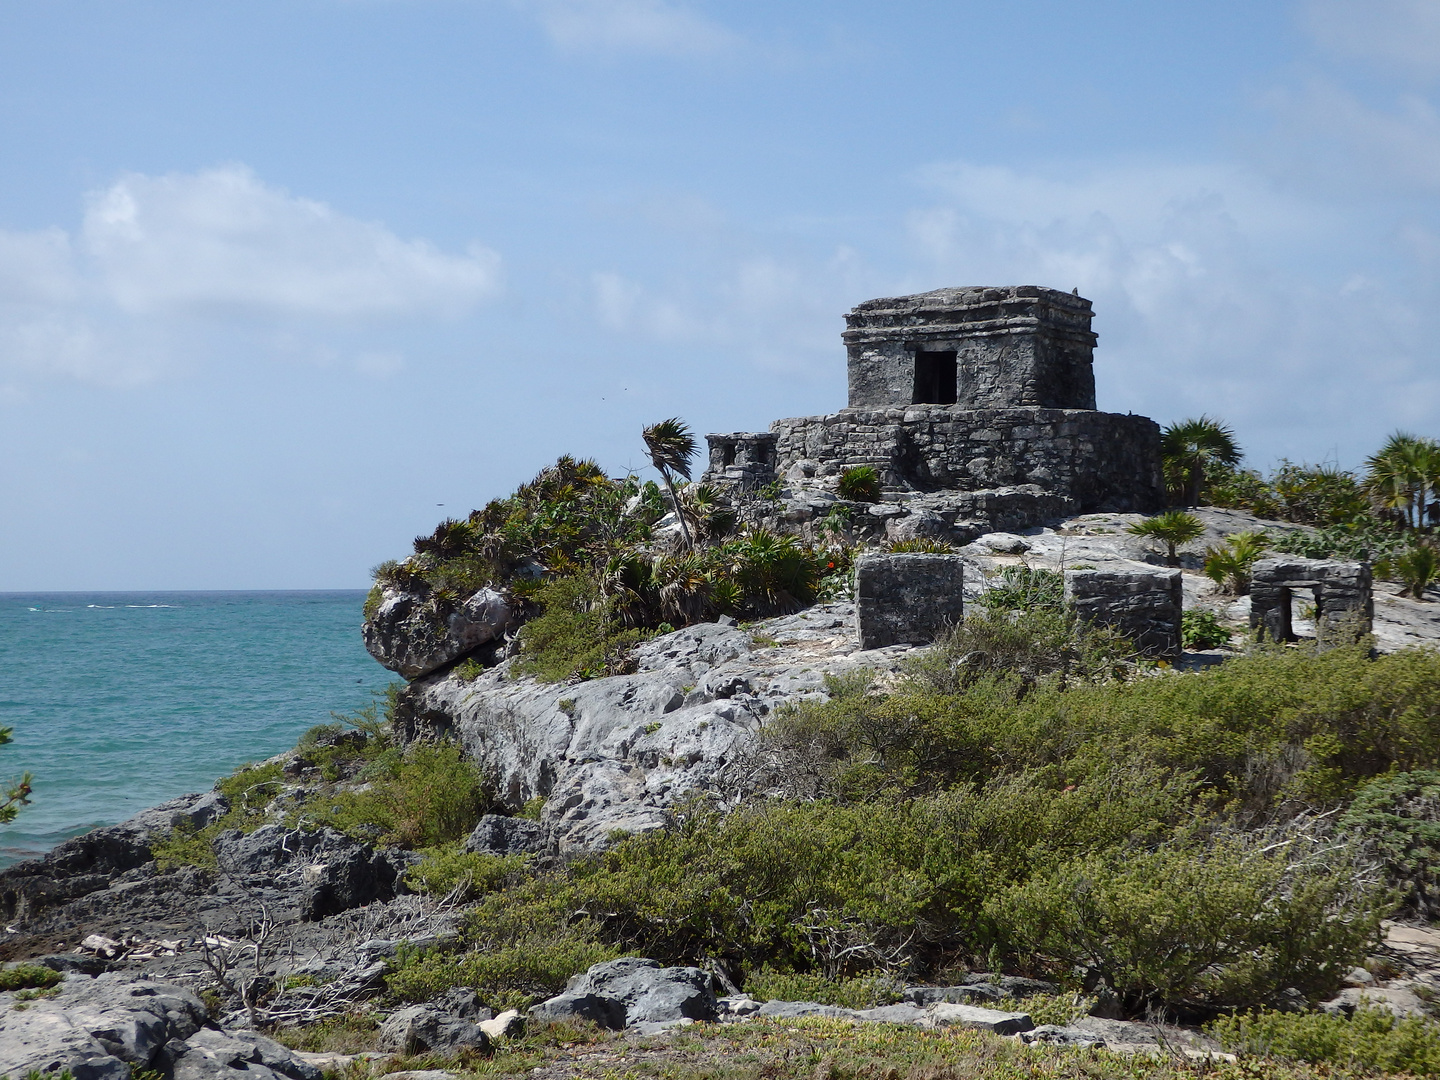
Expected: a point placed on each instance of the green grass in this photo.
(1371, 1041)
(29, 977)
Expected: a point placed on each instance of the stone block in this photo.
(1144, 605)
(907, 598)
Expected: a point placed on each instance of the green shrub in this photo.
(1398, 816)
(1235, 920)
(29, 977)
(1024, 588)
(444, 870)
(860, 483)
(862, 992)
(1202, 630)
(428, 796)
(577, 635)
(1372, 1040)
(1022, 645)
(1173, 528)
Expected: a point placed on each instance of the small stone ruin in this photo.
(907, 599)
(1143, 605)
(974, 405)
(1339, 589)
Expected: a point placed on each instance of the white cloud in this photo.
(630, 26)
(1391, 33)
(221, 240)
(163, 265)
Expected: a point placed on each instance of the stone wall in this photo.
(743, 459)
(1144, 605)
(978, 348)
(1099, 461)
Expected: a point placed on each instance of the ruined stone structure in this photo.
(980, 348)
(1340, 591)
(988, 392)
(1144, 605)
(908, 599)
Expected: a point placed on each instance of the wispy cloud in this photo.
(185, 254)
(1402, 34)
(221, 239)
(630, 26)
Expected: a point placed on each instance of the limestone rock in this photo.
(420, 1029)
(337, 872)
(497, 835)
(632, 990)
(103, 1028)
(945, 1014)
(407, 633)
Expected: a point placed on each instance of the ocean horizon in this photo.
(121, 700)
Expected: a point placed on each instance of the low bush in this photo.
(1025, 588)
(29, 977)
(578, 634)
(446, 870)
(1202, 630)
(1021, 646)
(862, 992)
(427, 796)
(1371, 1040)
(1398, 816)
(1238, 919)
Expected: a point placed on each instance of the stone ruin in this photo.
(909, 598)
(1340, 591)
(976, 407)
(1143, 605)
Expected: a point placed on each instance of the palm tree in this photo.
(1172, 528)
(671, 446)
(1187, 447)
(1404, 475)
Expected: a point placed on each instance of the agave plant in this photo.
(1417, 568)
(1187, 447)
(671, 446)
(1172, 528)
(1228, 565)
(860, 483)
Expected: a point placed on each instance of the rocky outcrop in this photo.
(632, 991)
(618, 753)
(106, 1027)
(415, 634)
(331, 871)
(91, 862)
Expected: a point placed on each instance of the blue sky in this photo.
(278, 279)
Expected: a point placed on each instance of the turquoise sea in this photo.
(119, 701)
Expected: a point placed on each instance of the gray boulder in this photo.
(633, 990)
(332, 872)
(407, 634)
(498, 835)
(424, 1028)
(103, 1028)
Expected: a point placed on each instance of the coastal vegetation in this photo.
(1028, 797)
